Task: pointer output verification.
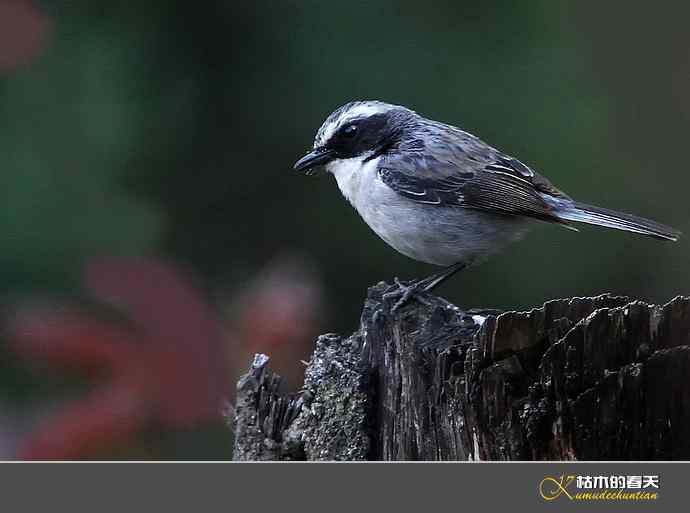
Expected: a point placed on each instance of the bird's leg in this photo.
(434, 281)
(408, 291)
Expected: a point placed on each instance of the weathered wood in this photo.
(326, 420)
(583, 378)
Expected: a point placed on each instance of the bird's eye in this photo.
(350, 131)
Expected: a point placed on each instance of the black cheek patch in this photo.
(372, 132)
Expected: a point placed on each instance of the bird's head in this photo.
(357, 130)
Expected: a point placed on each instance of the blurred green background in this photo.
(166, 132)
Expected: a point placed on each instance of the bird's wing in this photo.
(494, 183)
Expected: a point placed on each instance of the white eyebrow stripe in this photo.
(363, 110)
(326, 134)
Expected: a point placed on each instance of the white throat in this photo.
(354, 176)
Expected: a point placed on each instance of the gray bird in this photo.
(441, 195)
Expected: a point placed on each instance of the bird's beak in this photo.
(313, 159)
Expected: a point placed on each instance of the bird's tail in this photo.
(583, 213)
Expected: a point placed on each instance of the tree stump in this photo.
(596, 378)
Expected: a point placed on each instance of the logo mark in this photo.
(551, 488)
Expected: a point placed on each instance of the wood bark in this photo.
(596, 378)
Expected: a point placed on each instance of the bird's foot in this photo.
(405, 292)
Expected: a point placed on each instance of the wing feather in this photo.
(500, 185)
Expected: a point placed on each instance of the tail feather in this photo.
(589, 214)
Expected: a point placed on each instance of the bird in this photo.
(440, 195)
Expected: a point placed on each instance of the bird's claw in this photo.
(405, 293)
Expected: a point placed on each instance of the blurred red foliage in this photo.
(157, 354)
(165, 365)
(278, 312)
(281, 307)
(23, 33)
